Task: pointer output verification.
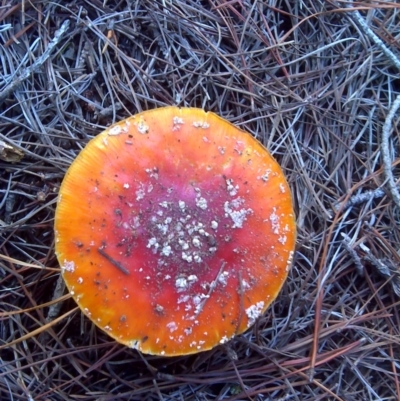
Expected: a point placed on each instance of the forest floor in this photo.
(317, 82)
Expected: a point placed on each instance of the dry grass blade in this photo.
(39, 330)
(301, 76)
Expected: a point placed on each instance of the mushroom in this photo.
(174, 230)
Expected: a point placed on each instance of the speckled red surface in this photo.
(174, 231)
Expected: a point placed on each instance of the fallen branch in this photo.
(386, 130)
(26, 73)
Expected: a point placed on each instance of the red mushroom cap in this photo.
(174, 230)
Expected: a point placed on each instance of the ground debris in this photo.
(302, 77)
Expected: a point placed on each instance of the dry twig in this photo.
(26, 72)
(386, 130)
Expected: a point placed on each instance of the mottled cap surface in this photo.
(174, 230)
